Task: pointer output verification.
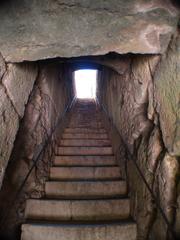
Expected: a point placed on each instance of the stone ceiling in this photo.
(41, 29)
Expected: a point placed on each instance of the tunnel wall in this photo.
(51, 95)
(16, 83)
(143, 103)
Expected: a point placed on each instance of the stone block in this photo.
(9, 123)
(167, 96)
(78, 28)
(19, 80)
(84, 172)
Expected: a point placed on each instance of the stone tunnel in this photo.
(135, 48)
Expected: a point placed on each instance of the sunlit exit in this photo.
(85, 83)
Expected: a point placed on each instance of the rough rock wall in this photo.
(167, 95)
(142, 102)
(16, 83)
(167, 105)
(127, 99)
(51, 94)
(40, 29)
(125, 96)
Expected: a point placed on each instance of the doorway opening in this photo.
(85, 83)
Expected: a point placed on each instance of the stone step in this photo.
(85, 151)
(85, 197)
(86, 121)
(117, 231)
(96, 127)
(84, 160)
(85, 189)
(77, 210)
(85, 136)
(84, 173)
(88, 125)
(84, 118)
(85, 142)
(84, 130)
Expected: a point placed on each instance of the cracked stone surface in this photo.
(19, 80)
(9, 124)
(46, 104)
(143, 103)
(2, 67)
(15, 86)
(166, 189)
(129, 109)
(39, 29)
(167, 96)
(177, 222)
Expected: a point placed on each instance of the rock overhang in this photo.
(33, 30)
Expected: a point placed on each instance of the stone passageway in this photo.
(90, 170)
(85, 196)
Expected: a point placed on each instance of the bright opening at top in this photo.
(85, 83)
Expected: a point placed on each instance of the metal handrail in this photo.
(35, 160)
(169, 226)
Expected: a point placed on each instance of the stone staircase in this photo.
(86, 199)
